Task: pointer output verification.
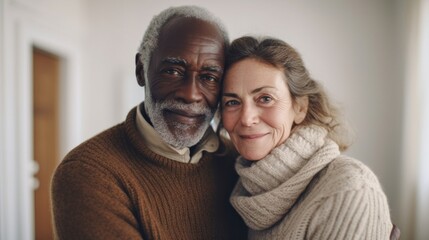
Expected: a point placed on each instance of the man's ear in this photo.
(300, 108)
(139, 70)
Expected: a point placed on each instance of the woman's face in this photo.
(257, 108)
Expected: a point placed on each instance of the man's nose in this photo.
(190, 90)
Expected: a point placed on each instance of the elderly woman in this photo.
(294, 182)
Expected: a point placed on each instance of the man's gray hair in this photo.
(150, 39)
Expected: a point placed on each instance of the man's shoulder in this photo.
(98, 145)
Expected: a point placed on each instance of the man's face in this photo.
(184, 78)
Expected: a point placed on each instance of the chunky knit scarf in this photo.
(287, 184)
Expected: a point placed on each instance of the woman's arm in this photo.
(357, 214)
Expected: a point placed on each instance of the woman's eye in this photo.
(265, 99)
(231, 103)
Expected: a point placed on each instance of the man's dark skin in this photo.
(195, 79)
(195, 73)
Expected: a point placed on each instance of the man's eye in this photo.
(173, 72)
(209, 78)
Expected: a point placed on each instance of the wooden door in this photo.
(46, 74)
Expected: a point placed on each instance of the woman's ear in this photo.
(300, 108)
(139, 70)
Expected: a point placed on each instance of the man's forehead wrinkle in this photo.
(182, 62)
(197, 48)
(207, 42)
(212, 68)
(175, 60)
(179, 25)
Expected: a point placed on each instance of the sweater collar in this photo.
(268, 188)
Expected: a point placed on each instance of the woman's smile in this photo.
(253, 136)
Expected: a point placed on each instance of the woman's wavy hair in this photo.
(281, 55)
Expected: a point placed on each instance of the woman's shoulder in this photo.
(348, 174)
(348, 194)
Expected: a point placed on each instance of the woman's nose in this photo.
(249, 115)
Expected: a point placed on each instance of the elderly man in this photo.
(161, 173)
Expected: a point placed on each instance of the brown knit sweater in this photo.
(113, 187)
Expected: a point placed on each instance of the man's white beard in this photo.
(179, 138)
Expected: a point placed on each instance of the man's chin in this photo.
(185, 137)
(182, 142)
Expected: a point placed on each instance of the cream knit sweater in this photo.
(304, 189)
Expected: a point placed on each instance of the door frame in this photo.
(20, 36)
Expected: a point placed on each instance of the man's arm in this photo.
(89, 203)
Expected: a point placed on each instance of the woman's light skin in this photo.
(257, 108)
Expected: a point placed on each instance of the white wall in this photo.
(422, 230)
(348, 45)
(414, 180)
(56, 26)
(2, 127)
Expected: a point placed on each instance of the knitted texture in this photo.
(304, 189)
(113, 187)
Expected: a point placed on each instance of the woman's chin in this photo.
(253, 156)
